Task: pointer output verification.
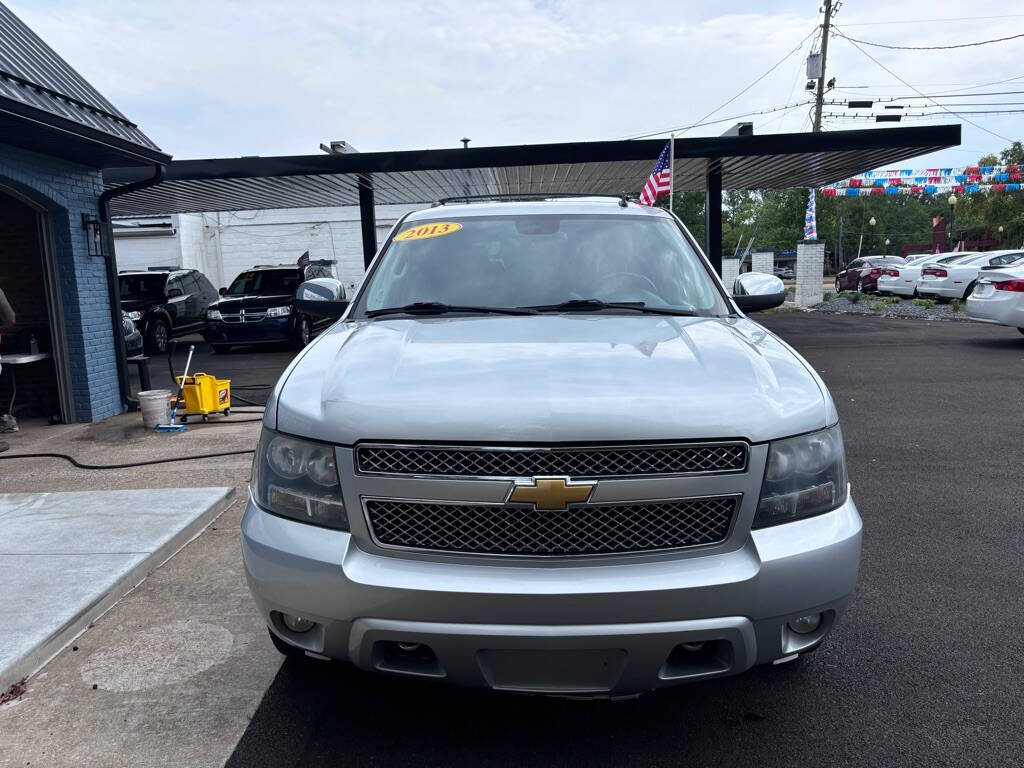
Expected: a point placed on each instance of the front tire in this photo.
(302, 333)
(839, 288)
(860, 285)
(157, 336)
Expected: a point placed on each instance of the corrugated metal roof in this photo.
(32, 74)
(747, 162)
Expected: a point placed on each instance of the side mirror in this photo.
(321, 296)
(755, 291)
(223, 291)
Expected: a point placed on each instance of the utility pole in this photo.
(819, 97)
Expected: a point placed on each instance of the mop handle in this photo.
(181, 387)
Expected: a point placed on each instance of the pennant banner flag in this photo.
(967, 180)
(810, 224)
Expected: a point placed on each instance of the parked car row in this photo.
(939, 275)
(163, 303)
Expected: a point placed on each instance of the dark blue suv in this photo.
(259, 308)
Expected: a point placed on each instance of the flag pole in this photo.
(671, 172)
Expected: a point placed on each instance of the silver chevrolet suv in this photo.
(544, 450)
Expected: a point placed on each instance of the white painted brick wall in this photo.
(762, 261)
(221, 245)
(730, 271)
(142, 252)
(810, 271)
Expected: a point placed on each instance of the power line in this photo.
(700, 122)
(769, 111)
(932, 21)
(929, 47)
(911, 87)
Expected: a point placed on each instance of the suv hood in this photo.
(253, 301)
(549, 378)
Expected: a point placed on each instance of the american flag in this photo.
(304, 260)
(660, 180)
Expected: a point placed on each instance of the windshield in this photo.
(265, 282)
(543, 261)
(141, 286)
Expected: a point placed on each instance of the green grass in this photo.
(957, 306)
(885, 301)
(926, 303)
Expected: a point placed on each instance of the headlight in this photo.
(134, 316)
(213, 314)
(279, 311)
(298, 479)
(805, 476)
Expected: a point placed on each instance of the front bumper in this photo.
(267, 331)
(590, 629)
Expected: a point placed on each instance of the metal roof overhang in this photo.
(608, 167)
(40, 131)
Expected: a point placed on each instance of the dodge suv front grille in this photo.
(592, 529)
(599, 461)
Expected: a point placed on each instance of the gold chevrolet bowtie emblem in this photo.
(550, 492)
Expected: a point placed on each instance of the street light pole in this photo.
(952, 207)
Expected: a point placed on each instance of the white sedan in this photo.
(902, 279)
(956, 280)
(998, 298)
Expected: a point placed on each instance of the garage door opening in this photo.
(33, 380)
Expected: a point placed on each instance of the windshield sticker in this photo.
(424, 231)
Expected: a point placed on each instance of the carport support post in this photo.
(367, 218)
(713, 214)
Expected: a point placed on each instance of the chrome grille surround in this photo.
(245, 316)
(580, 530)
(576, 462)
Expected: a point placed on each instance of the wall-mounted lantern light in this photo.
(93, 234)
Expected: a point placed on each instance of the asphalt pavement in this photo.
(924, 670)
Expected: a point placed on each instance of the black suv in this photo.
(165, 302)
(259, 308)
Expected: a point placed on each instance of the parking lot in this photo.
(922, 671)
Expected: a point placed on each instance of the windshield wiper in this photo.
(593, 305)
(438, 308)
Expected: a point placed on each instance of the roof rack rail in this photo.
(506, 197)
(163, 269)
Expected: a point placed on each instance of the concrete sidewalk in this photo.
(67, 557)
(171, 674)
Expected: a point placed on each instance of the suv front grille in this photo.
(593, 529)
(601, 461)
(250, 316)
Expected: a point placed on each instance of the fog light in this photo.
(806, 624)
(692, 647)
(297, 623)
(409, 647)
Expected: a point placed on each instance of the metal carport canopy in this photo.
(607, 167)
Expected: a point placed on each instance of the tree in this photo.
(1012, 155)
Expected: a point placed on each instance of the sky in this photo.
(223, 79)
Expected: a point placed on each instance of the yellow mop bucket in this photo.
(205, 394)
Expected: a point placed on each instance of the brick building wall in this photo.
(67, 190)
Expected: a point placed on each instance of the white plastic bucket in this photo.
(156, 407)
